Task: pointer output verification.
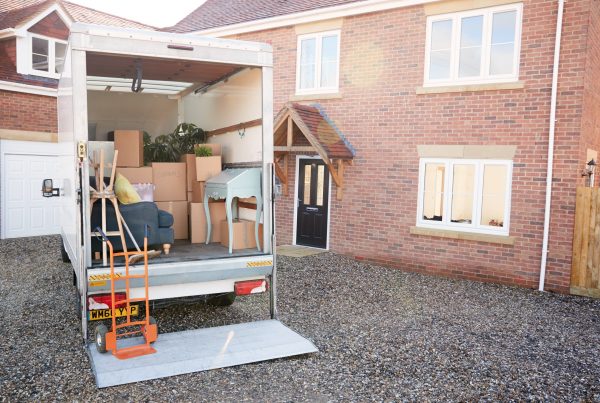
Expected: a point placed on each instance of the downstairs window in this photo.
(465, 195)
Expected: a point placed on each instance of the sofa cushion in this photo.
(165, 219)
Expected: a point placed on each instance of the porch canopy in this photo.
(307, 129)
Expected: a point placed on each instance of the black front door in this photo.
(313, 203)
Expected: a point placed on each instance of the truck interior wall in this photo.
(235, 101)
(108, 111)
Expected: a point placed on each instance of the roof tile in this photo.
(322, 129)
(15, 12)
(219, 13)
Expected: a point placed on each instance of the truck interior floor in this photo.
(184, 250)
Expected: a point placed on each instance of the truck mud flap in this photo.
(200, 350)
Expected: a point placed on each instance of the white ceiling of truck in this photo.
(112, 72)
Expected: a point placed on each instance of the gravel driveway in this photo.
(382, 335)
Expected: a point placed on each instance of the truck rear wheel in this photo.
(100, 338)
(221, 299)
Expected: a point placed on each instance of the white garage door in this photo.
(25, 212)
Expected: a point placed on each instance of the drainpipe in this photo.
(559, 23)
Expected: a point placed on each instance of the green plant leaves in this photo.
(170, 147)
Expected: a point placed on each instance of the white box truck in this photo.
(213, 83)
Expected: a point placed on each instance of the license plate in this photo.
(99, 314)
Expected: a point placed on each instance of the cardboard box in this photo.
(179, 209)
(198, 226)
(198, 192)
(190, 161)
(137, 175)
(197, 223)
(243, 234)
(169, 179)
(207, 167)
(215, 148)
(130, 144)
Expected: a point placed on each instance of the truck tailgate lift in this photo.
(202, 349)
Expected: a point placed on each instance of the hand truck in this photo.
(107, 341)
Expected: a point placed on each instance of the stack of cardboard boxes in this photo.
(178, 187)
(168, 179)
(200, 169)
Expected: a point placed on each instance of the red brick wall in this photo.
(20, 111)
(382, 57)
(51, 25)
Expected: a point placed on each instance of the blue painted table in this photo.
(229, 184)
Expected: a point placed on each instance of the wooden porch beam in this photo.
(285, 172)
(334, 175)
(293, 149)
(340, 173)
(280, 173)
(290, 131)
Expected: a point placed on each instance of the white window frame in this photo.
(484, 77)
(317, 89)
(51, 56)
(476, 226)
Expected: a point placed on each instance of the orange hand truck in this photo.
(107, 341)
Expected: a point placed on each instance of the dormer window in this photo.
(42, 44)
(47, 56)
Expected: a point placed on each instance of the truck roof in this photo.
(167, 37)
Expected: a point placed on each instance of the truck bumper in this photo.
(172, 280)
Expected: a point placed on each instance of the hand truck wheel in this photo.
(100, 338)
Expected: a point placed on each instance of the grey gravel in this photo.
(383, 335)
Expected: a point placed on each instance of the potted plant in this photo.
(185, 137)
(207, 164)
(162, 149)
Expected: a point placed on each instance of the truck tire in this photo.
(63, 253)
(221, 299)
(100, 338)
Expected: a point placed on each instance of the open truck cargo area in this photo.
(149, 82)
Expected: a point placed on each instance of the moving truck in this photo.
(213, 83)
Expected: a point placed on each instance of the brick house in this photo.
(33, 37)
(447, 105)
(432, 119)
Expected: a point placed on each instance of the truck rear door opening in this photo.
(121, 87)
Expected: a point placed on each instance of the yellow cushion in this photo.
(125, 192)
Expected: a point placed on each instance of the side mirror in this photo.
(48, 189)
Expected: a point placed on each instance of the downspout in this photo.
(559, 23)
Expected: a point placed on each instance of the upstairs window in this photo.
(318, 63)
(465, 195)
(478, 46)
(47, 56)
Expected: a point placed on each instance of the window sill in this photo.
(316, 96)
(466, 236)
(41, 74)
(515, 85)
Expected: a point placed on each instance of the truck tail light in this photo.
(96, 301)
(250, 287)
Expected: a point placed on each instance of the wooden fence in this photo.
(585, 268)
